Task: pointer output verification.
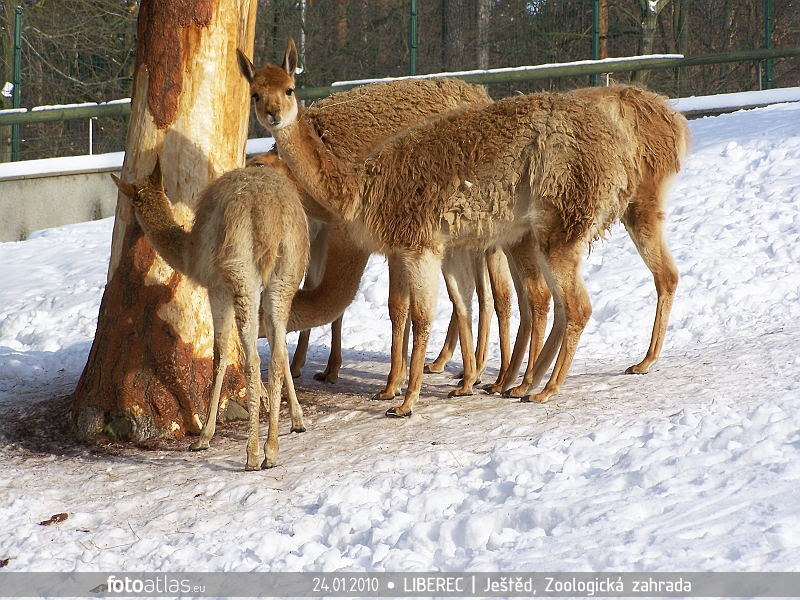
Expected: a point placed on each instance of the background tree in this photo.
(651, 10)
(6, 61)
(483, 25)
(149, 369)
(455, 25)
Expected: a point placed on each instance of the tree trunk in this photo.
(650, 12)
(149, 369)
(455, 23)
(340, 22)
(680, 32)
(6, 69)
(483, 33)
(603, 28)
(680, 25)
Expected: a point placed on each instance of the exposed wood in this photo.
(149, 370)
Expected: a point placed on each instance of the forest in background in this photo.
(84, 50)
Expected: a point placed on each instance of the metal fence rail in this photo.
(121, 108)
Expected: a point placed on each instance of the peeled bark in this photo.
(149, 370)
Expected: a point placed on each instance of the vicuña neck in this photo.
(331, 181)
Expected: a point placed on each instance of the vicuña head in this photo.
(272, 89)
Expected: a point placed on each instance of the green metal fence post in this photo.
(412, 40)
(17, 77)
(768, 43)
(595, 79)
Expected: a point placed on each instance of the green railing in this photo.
(585, 67)
(573, 69)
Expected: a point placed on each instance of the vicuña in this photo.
(249, 232)
(546, 170)
(659, 139)
(351, 124)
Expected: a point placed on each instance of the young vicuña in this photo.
(249, 232)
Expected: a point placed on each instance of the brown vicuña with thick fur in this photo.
(547, 170)
(249, 231)
(659, 140)
(351, 124)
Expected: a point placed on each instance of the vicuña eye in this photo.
(290, 91)
(254, 96)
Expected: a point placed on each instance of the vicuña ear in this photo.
(156, 181)
(290, 58)
(245, 66)
(124, 187)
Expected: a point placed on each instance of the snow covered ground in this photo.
(695, 466)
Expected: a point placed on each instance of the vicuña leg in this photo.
(277, 303)
(222, 316)
(534, 306)
(462, 262)
(398, 314)
(644, 221)
(460, 287)
(561, 266)
(485, 281)
(300, 352)
(501, 284)
(539, 298)
(449, 347)
(422, 276)
(331, 372)
(245, 307)
(295, 410)
(483, 288)
(522, 340)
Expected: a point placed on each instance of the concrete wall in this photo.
(39, 194)
(38, 202)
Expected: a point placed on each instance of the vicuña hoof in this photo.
(326, 377)
(636, 370)
(395, 413)
(300, 429)
(249, 467)
(268, 464)
(384, 396)
(432, 370)
(459, 393)
(492, 388)
(197, 446)
(517, 392)
(539, 398)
